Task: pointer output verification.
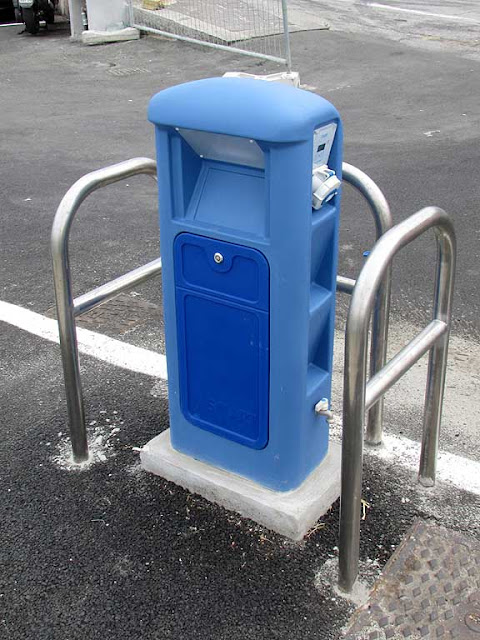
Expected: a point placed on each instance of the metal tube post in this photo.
(355, 378)
(107, 291)
(437, 365)
(68, 346)
(345, 285)
(75, 17)
(63, 287)
(378, 351)
(403, 361)
(286, 36)
(355, 373)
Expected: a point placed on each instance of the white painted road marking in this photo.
(442, 16)
(461, 472)
(97, 345)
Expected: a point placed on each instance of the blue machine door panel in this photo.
(222, 298)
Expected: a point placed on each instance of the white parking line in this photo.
(97, 345)
(461, 472)
(442, 16)
(456, 470)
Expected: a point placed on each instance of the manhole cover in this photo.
(430, 588)
(119, 315)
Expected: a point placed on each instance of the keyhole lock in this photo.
(218, 258)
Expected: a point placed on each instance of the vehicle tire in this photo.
(49, 15)
(32, 23)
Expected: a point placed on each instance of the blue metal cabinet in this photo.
(222, 300)
(249, 339)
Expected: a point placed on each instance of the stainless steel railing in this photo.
(68, 308)
(378, 350)
(360, 395)
(371, 294)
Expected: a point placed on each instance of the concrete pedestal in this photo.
(290, 513)
(106, 16)
(108, 22)
(116, 35)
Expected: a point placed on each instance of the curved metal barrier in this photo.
(378, 350)
(360, 395)
(68, 308)
(371, 294)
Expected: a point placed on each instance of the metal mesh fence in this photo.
(252, 27)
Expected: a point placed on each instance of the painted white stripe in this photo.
(442, 16)
(120, 354)
(461, 472)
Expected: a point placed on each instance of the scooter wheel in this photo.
(32, 23)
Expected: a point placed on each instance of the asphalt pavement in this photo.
(109, 551)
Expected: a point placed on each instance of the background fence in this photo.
(253, 27)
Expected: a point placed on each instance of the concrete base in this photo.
(290, 513)
(102, 37)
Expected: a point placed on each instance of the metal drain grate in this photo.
(125, 71)
(429, 589)
(119, 315)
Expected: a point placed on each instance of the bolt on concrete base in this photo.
(290, 513)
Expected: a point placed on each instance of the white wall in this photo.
(106, 15)
(75, 15)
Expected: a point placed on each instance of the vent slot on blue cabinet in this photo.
(222, 298)
(230, 197)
